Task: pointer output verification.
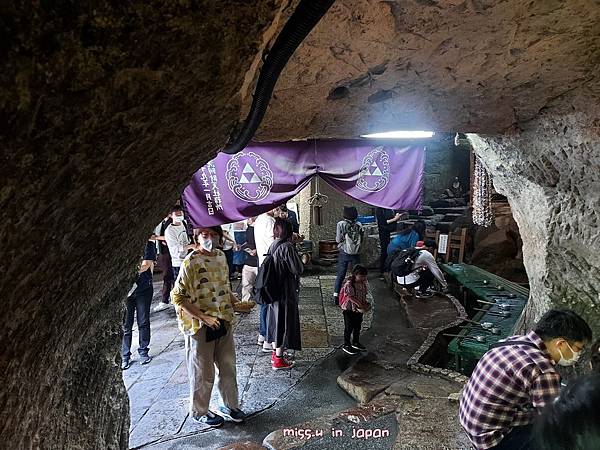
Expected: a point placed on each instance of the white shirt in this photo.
(177, 238)
(228, 228)
(263, 235)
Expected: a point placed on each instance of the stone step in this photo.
(380, 368)
(451, 210)
(451, 217)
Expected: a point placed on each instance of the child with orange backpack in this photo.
(353, 301)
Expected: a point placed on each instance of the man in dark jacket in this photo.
(291, 217)
(386, 223)
(138, 304)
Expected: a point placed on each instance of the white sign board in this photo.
(443, 244)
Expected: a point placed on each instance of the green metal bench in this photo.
(467, 352)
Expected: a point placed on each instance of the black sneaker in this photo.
(335, 300)
(351, 351)
(425, 294)
(359, 346)
(210, 419)
(125, 364)
(235, 415)
(145, 359)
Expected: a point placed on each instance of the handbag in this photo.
(212, 334)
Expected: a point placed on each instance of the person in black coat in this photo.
(283, 316)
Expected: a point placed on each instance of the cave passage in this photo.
(159, 392)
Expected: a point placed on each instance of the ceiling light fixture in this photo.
(399, 135)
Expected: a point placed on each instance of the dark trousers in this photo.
(352, 324)
(343, 262)
(263, 320)
(384, 241)
(519, 438)
(425, 280)
(140, 303)
(175, 273)
(164, 260)
(229, 256)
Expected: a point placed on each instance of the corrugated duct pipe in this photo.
(302, 21)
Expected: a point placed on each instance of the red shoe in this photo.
(280, 363)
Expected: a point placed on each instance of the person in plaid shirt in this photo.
(516, 378)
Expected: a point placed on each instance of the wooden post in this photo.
(463, 240)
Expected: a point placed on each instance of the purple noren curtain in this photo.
(233, 187)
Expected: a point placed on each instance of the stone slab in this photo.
(346, 430)
(312, 319)
(364, 380)
(145, 394)
(310, 282)
(429, 424)
(433, 387)
(315, 339)
(164, 418)
(246, 445)
(180, 375)
(379, 369)
(430, 312)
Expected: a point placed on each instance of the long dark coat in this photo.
(283, 317)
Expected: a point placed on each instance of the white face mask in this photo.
(177, 219)
(569, 362)
(207, 243)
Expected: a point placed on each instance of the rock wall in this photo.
(455, 65)
(106, 109)
(550, 172)
(443, 162)
(497, 248)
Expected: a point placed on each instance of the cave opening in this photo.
(158, 391)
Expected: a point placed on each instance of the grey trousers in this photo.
(248, 280)
(202, 358)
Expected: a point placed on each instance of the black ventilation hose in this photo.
(303, 20)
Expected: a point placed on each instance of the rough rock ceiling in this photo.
(468, 65)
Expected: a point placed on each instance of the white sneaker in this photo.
(162, 306)
(267, 348)
(261, 339)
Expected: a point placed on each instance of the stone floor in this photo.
(158, 392)
(328, 391)
(398, 409)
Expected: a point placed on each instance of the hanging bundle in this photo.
(482, 195)
(317, 201)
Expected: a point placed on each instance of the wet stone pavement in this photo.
(159, 392)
